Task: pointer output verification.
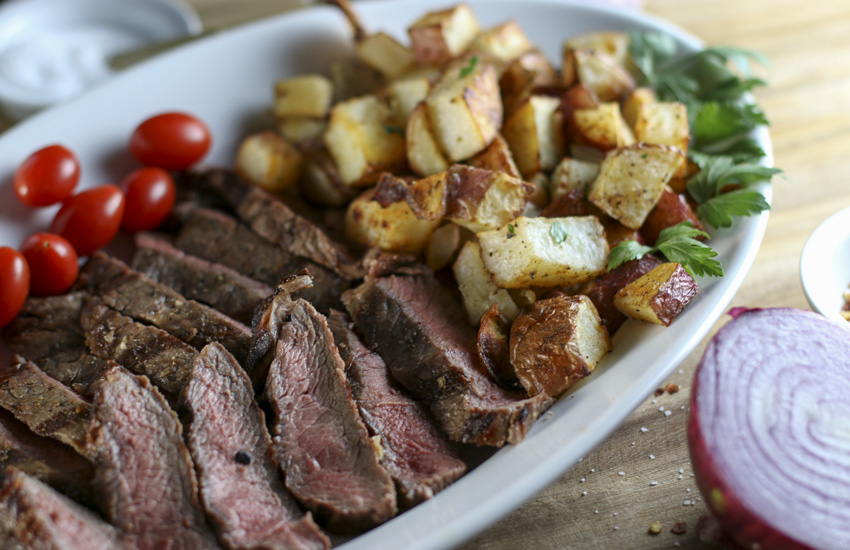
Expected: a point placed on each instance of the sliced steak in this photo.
(37, 517)
(45, 405)
(140, 348)
(211, 283)
(217, 237)
(415, 454)
(273, 220)
(47, 331)
(144, 475)
(45, 459)
(331, 464)
(240, 485)
(422, 335)
(137, 296)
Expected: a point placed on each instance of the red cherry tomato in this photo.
(53, 264)
(47, 176)
(90, 219)
(14, 283)
(172, 141)
(149, 195)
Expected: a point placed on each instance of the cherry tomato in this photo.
(172, 141)
(90, 219)
(47, 176)
(14, 283)
(149, 195)
(53, 263)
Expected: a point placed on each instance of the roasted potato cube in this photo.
(611, 43)
(631, 181)
(404, 95)
(505, 42)
(441, 35)
(427, 197)
(496, 157)
(633, 103)
(423, 152)
(494, 350)
(361, 142)
(476, 287)
(300, 129)
(671, 209)
(615, 233)
(353, 78)
(572, 174)
(545, 252)
(442, 247)
(303, 96)
(557, 342)
(524, 74)
(321, 184)
(391, 227)
(598, 72)
(534, 136)
(664, 123)
(269, 161)
(480, 200)
(602, 289)
(384, 53)
(659, 296)
(465, 111)
(603, 127)
(540, 195)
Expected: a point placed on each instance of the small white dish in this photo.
(825, 265)
(53, 50)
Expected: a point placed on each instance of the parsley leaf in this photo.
(466, 71)
(558, 232)
(718, 172)
(740, 149)
(715, 121)
(392, 129)
(510, 228)
(678, 244)
(718, 211)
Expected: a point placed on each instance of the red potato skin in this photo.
(670, 210)
(603, 288)
(494, 349)
(737, 521)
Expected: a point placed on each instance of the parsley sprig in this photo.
(712, 83)
(678, 244)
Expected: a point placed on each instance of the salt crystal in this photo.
(615, 514)
(687, 503)
(668, 413)
(584, 493)
(582, 480)
(651, 457)
(681, 371)
(596, 511)
(679, 477)
(592, 470)
(677, 544)
(633, 443)
(644, 430)
(654, 401)
(621, 473)
(688, 490)
(653, 483)
(682, 407)
(692, 475)
(681, 471)
(616, 528)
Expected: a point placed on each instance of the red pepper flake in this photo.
(671, 388)
(659, 391)
(679, 528)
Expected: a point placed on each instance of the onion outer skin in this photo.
(737, 520)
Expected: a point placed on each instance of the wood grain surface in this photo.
(808, 104)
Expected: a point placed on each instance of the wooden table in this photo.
(808, 103)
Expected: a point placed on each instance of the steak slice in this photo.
(131, 293)
(45, 405)
(45, 459)
(415, 454)
(37, 517)
(140, 348)
(240, 484)
(211, 283)
(422, 335)
(143, 472)
(331, 464)
(217, 237)
(47, 331)
(273, 220)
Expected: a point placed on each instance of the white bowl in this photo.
(825, 265)
(53, 50)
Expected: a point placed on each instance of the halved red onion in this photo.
(769, 429)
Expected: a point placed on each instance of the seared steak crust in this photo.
(131, 293)
(140, 348)
(213, 284)
(45, 405)
(34, 516)
(415, 454)
(422, 335)
(240, 484)
(217, 237)
(144, 474)
(331, 464)
(47, 331)
(45, 459)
